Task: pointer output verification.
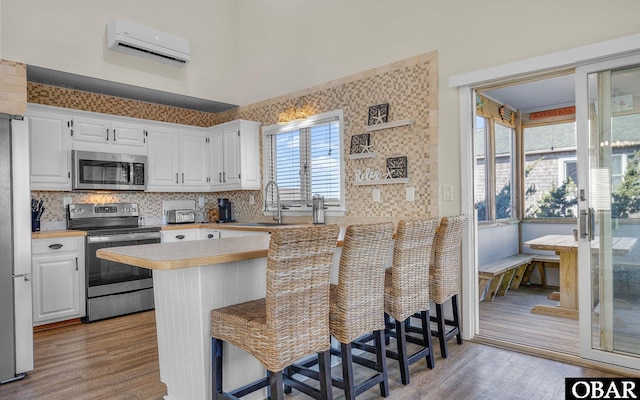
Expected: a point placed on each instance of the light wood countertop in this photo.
(57, 234)
(168, 256)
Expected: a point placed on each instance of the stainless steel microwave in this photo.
(92, 170)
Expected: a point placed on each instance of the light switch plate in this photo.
(201, 202)
(252, 199)
(447, 193)
(410, 193)
(376, 195)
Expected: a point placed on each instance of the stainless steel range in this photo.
(113, 288)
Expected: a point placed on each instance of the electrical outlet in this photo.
(376, 195)
(201, 202)
(410, 193)
(252, 199)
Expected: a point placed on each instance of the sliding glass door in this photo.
(608, 125)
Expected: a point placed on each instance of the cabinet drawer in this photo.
(182, 235)
(52, 246)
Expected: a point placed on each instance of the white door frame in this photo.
(504, 73)
(584, 251)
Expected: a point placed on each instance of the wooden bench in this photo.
(542, 261)
(497, 277)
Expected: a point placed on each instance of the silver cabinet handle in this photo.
(179, 237)
(220, 176)
(107, 135)
(176, 177)
(183, 177)
(224, 177)
(114, 135)
(55, 246)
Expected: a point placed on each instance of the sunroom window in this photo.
(551, 175)
(494, 170)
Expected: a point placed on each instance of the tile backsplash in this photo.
(409, 87)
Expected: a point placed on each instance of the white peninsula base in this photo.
(183, 300)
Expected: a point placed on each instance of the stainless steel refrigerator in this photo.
(16, 315)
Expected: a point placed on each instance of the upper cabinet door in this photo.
(216, 159)
(162, 161)
(231, 146)
(50, 154)
(91, 130)
(128, 134)
(194, 165)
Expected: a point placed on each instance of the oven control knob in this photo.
(133, 209)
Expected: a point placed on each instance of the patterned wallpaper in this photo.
(408, 86)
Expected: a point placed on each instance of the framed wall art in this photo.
(359, 143)
(378, 114)
(397, 167)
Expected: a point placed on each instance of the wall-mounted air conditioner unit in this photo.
(139, 40)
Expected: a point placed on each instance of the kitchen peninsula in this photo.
(190, 279)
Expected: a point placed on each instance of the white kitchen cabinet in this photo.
(58, 273)
(207, 234)
(108, 134)
(177, 160)
(180, 235)
(187, 234)
(235, 156)
(50, 150)
(194, 160)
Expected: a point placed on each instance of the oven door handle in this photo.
(123, 237)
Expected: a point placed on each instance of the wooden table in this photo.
(567, 248)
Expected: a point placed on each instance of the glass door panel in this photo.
(609, 245)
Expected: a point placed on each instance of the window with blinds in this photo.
(304, 158)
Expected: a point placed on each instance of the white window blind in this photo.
(304, 158)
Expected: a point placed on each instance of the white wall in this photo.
(69, 36)
(337, 38)
(497, 241)
(251, 50)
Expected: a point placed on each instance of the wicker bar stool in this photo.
(406, 290)
(357, 306)
(444, 278)
(292, 321)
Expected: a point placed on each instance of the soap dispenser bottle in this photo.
(318, 209)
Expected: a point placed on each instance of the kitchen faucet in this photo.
(278, 214)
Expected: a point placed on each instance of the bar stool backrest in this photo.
(299, 266)
(445, 269)
(361, 280)
(412, 250)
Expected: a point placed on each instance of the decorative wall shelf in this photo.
(387, 125)
(358, 156)
(382, 182)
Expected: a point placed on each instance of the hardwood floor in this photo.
(118, 359)
(510, 318)
(111, 359)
